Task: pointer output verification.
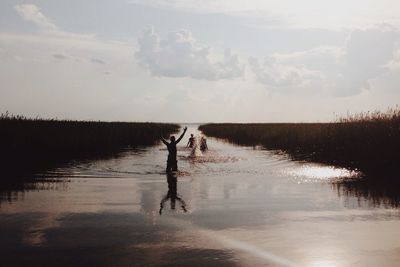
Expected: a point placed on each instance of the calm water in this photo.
(234, 206)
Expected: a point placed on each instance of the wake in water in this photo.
(196, 147)
(199, 152)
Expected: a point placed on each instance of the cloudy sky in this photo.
(199, 61)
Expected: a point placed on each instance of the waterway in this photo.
(228, 206)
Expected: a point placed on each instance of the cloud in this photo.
(53, 37)
(60, 56)
(365, 55)
(343, 71)
(32, 13)
(180, 55)
(97, 61)
(272, 73)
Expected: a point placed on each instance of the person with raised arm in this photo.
(172, 163)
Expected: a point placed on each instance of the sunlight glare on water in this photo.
(310, 173)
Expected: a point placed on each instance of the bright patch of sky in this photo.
(252, 61)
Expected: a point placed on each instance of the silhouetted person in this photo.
(172, 194)
(191, 141)
(172, 163)
(203, 144)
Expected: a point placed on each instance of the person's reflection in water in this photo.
(172, 194)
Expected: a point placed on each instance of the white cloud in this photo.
(365, 55)
(345, 70)
(180, 55)
(277, 75)
(32, 13)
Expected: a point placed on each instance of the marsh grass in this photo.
(369, 141)
(28, 145)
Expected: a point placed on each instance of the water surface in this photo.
(234, 206)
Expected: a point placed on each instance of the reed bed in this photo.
(369, 142)
(33, 144)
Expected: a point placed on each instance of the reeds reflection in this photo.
(13, 190)
(371, 191)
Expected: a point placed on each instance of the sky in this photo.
(191, 61)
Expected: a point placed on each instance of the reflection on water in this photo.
(14, 190)
(229, 206)
(375, 192)
(172, 194)
(351, 185)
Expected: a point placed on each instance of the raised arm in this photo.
(180, 137)
(163, 140)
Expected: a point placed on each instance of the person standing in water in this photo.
(172, 163)
(203, 144)
(191, 141)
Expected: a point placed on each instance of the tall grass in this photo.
(31, 144)
(368, 141)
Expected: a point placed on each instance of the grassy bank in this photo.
(32, 144)
(369, 142)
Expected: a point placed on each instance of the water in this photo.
(237, 206)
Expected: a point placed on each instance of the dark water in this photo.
(234, 206)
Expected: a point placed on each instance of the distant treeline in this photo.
(369, 141)
(32, 144)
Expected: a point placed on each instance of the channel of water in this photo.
(230, 206)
